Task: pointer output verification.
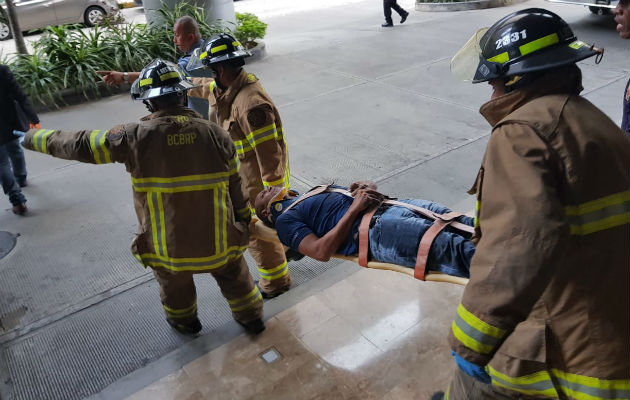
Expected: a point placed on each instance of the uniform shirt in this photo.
(625, 119)
(318, 215)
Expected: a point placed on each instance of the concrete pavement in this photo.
(358, 102)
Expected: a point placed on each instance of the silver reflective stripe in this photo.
(475, 334)
(597, 393)
(200, 184)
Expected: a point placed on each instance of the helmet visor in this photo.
(464, 64)
(194, 62)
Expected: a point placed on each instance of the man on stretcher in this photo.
(322, 224)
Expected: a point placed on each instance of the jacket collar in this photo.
(243, 78)
(179, 110)
(566, 80)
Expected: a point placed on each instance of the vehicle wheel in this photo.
(93, 15)
(5, 31)
(598, 10)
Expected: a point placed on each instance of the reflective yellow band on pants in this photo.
(188, 183)
(100, 152)
(475, 333)
(174, 313)
(40, 140)
(199, 264)
(573, 386)
(247, 301)
(600, 214)
(274, 273)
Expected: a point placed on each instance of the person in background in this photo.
(16, 113)
(622, 18)
(387, 9)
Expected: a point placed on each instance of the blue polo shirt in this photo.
(317, 215)
(625, 119)
(194, 103)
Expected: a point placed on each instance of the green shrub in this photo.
(38, 77)
(249, 28)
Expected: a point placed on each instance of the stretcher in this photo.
(263, 232)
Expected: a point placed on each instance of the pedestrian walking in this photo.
(387, 10)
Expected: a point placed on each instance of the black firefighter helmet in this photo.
(525, 41)
(160, 78)
(217, 49)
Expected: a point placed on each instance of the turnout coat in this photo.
(547, 308)
(186, 185)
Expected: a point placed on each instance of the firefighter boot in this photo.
(190, 328)
(253, 327)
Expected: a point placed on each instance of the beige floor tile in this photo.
(176, 386)
(306, 316)
(236, 371)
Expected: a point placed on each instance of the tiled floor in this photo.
(374, 335)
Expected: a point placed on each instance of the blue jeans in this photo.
(16, 154)
(396, 234)
(9, 185)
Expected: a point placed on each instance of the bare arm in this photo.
(323, 248)
(113, 78)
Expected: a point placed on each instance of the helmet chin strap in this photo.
(148, 105)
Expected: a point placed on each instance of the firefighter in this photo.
(546, 313)
(192, 212)
(242, 107)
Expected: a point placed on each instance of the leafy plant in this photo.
(249, 28)
(38, 77)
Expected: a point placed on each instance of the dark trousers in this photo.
(9, 185)
(387, 9)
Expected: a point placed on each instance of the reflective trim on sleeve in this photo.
(174, 313)
(475, 333)
(40, 140)
(100, 152)
(274, 273)
(477, 208)
(247, 301)
(252, 211)
(234, 165)
(188, 183)
(243, 213)
(197, 264)
(600, 214)
(255, 138)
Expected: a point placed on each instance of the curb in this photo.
(464, 5)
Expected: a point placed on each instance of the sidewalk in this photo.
(81, 318)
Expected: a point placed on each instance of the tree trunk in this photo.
(15, 28)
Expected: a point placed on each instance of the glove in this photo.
(473, 370)
(20, 135)
(34, 126)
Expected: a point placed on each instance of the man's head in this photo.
(622, 18)
(518, 49)
(263, 201)
(161, 85)
(186, 33)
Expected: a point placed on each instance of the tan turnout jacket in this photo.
(249, 115)
(186, 186)
(547, 308)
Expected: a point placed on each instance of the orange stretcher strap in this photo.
(427, 240)
(364, 236)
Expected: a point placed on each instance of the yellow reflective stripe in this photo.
(538, 44)
(500, 58)
(162, 224)
(193, 264)
(234, 165)
(243, 213)
(99, 149)
(154, 224)
(469, 341)
(274, 273)
(262, 135)
(277, 182)
(35, 140)
(539, 383)
(448, 392)
(212, 85)
(203, 55)
(479, 324)
(477, 208)
(247, 301)
(583, 387)
(146, 81)
(236, 44)
(170, 75)
(218, 48)
(180, 311)
(600, 214)
(40, 140)
(182, 178)
(252, 211)
(186, 183)
(242, 146)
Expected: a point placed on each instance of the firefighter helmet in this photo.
(160, 78)
(528, 40)
(218, 48)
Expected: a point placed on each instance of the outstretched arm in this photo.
(322, 248)
(114, 78)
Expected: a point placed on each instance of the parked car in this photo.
(37, 14)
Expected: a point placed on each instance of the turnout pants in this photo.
(179, 297)
(387, 10)
(464, 387)
(272, 265)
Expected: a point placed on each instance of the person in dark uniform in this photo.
(387, 9)
(12, 164)
(622, 18)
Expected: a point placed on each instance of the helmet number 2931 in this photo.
(511, 38)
